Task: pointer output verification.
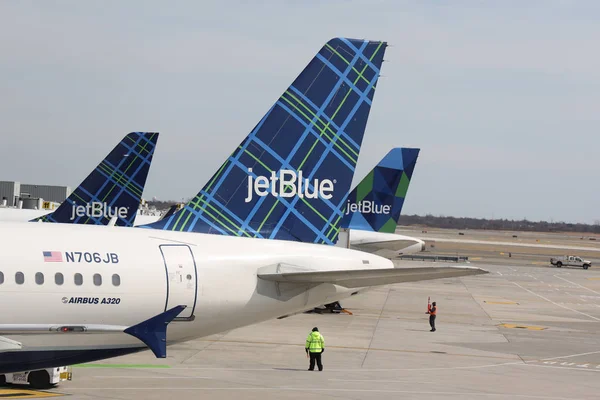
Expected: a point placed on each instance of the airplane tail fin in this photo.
(114, 188)
(376, 202)
(289, 178)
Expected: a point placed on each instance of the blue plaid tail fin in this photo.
(290, 177)
(113, 188)
(376, 202)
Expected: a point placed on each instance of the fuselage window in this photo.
(1, 278)
(59, 279)
(116, 279)
(78, 279)
(39, 278)
(19, 278)
(97, 279)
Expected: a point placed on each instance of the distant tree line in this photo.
(432, 221)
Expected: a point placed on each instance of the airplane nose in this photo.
(423, 245)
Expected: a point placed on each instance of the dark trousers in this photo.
(315, 357)
(432, 322)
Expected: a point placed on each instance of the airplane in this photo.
(75, 293)
(112, 190)
(374, 206)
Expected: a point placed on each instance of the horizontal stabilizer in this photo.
(7, 344)
(372, 277)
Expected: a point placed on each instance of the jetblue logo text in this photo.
(367, 207)
(97, 210)
(98, 258)
(288, 184)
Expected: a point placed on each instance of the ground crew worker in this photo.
(432, 311)
(315, 345)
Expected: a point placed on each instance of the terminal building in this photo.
(30, 196)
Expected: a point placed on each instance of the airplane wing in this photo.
(16, 329)
(371, 277)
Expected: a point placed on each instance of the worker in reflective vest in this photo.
(315, 346)
(432, 311)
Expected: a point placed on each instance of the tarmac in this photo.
(495, 245)
(526, 330)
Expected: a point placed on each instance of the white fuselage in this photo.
(214, 276)
(11, 214)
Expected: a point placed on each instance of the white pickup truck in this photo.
(570, 261)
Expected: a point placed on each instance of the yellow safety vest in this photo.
(315, 342)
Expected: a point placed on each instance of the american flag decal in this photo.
(52, 256)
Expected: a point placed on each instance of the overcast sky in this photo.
(502, 97)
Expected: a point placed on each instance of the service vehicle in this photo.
(572, 261)
(40, 379)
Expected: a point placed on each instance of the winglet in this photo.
(153, 331)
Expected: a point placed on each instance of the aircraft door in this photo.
(182, 280)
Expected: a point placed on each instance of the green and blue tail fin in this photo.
(376, 202)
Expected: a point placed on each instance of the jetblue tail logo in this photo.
(367, 207)
(288, 184)
(114, 188)
(376, 202)
(97, 210)
(289, 178)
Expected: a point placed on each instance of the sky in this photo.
(502, 98)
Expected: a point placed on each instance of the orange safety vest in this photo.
(433, 310)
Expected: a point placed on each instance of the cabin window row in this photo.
(59, 279)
